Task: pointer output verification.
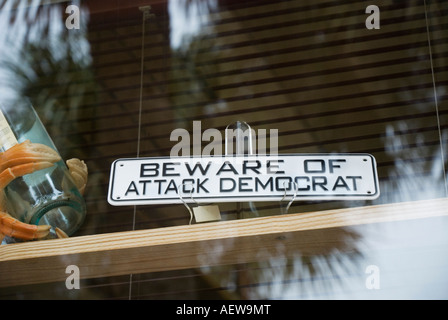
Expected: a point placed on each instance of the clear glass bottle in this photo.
(45, 197)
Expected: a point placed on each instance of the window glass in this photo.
(113, 80)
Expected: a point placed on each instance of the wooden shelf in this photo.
(193, 246)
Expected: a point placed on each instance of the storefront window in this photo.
(114, 80)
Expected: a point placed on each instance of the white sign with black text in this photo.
(142, 181)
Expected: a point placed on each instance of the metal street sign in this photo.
(243, 178)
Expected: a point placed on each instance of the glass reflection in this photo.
(310, 70)
(188, 18)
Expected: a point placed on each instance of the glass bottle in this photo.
(45, 197)
(242, 145)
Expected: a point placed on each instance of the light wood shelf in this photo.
(193, 246)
